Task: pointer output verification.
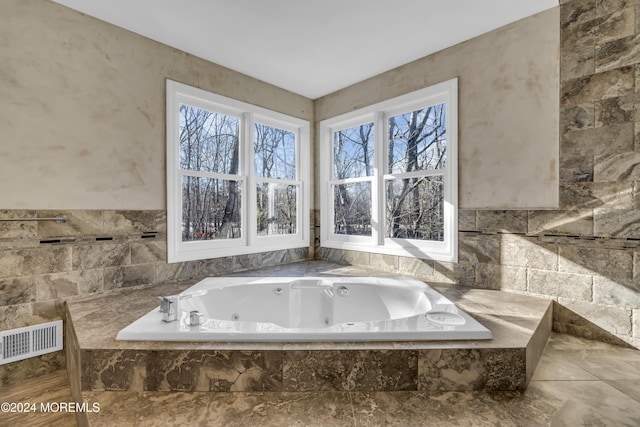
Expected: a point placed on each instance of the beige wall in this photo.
(82, 110)
(508, 110)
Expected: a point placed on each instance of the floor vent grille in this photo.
(30, 341)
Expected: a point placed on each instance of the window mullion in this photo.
(247, 142)
(378, 202)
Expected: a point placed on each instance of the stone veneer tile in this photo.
(250, 261)
(591, 142)
(494, 276)
(467, 220)
(449, 272)
(357, 257)
(16, 315)
(617, 110)
(636, 323)
(617, 167)
(18, 229)
(609, 84)
(624, 223)
(90, 281)
(476, 247)
(616, 25)
(176, 271)
(215, 371)
(577, 62)
(613, 263)
(581, 315)
(422, 268)
(57, 285)
(575, 13)
(101, 255)
(522, 251)
(510, 221)
(577, 167)
(383, 262)
(126, 276)
(479, 369)
(148, 251)
(28, 262)
(576, 117)
(129, 222)
(618, 53)
(569, 222)
(362, 370)
(116, 370)
(605, 195)
(605, 7)
(79, 223)
(17, 290)
(216, 266)
(610, 292)
(558, 284)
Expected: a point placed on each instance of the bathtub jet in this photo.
(288, 309)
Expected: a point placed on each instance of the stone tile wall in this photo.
(44, 263)
(585, 255)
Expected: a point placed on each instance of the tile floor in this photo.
(577, 383)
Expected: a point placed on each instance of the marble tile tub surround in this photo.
(44, 263)
(585, 254)
(576, 383)
(520, 325)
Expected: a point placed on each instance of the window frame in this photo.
(379, 113)
(248, 114)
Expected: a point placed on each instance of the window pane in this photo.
(277, 208)
(208, 141)
(210, 209)
(275, 152)
(352, 208)
(415, 208)
(418, 140)
(353, 152)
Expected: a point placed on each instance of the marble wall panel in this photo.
(522, 251)
(568, 222)
(27, 262)
(609, 84)
(611, 263)
(421, 268)
(482, 369)
(502, 221)
(78, 223)
(101, 255)
(558, 284)
(496, 276)
(467, 220)
(610, 292)
(215, 371)
(148, 250)
(479, 248)
(616, 25)
(114, 370)
(362, 370)
(618, 53)
(127, 276)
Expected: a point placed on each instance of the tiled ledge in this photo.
(520, 325)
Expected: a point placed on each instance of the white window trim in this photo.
(250, 242)
(445, 92)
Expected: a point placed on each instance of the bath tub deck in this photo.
(520, 325)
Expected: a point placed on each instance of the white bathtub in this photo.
(292, 309)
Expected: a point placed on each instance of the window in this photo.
(237, 177)
(389, 176)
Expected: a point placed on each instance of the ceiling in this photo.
(309, 47)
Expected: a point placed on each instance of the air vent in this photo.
(30, 341)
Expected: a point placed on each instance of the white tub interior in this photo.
(293, 309)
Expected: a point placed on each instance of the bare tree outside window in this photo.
(209, 143)
(415, 204)
(353, 158)
(275, 159)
